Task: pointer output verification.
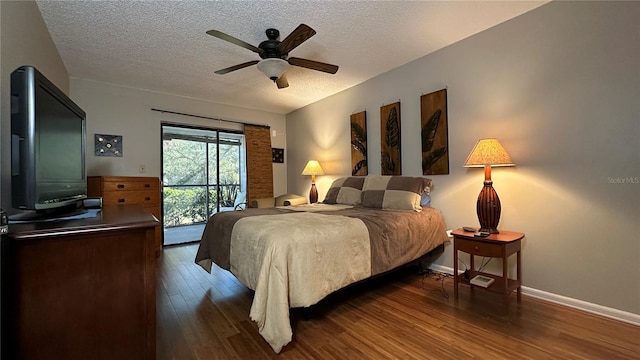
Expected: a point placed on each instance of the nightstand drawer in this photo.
(478, 248)
(144, 198)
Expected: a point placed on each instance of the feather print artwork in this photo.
(434, 133)
(390, 141)
(359, 144)
(429, 131)
(393, 129)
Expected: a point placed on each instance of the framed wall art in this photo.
(277, 155)
(390, 139)
(108, 145)
(359, 144)
(434, 133)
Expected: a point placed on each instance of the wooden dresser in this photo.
(82, 288)
(118, 190)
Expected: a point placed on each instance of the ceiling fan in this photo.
(275, 54)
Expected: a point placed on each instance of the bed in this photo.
(295, 256)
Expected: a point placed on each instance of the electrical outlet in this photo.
(142, 169)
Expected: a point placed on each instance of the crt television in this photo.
(48, 144)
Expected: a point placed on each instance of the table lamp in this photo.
(313, 168)
(488, 153)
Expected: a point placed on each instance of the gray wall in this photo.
(24, 40)
(117, 110)
(560, 88)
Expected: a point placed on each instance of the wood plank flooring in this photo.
(402, 315)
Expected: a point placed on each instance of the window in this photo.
(203, 171)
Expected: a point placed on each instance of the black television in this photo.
(48, 141)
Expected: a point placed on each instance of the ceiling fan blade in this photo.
(282, 82)
(233, 40)
(301, 34)
(236, 67)
(313, 65)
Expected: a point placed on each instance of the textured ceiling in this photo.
(163, 45)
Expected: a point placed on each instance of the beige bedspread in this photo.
(295, 259)
(296, 266)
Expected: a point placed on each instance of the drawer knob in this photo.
(147, 198)
(120, 200)
(120, 186)
(477, 248)
(147, 185)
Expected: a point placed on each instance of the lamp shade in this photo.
(273, 67)
(313, 168)
(488, 152)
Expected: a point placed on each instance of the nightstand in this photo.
(501, 245)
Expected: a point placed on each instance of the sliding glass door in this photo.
(203, 171)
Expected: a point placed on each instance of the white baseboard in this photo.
(612, 313)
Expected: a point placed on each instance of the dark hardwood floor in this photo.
(402, 315)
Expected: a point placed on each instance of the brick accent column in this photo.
(259, 167)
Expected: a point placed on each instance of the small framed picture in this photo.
(277, 155)
(108, 145)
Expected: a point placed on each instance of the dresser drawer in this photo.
(118, 190)
(145, 198)
(478, 248)
(130, 185)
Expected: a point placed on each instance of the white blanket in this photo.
(296, 266)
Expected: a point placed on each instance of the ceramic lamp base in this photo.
(313, 194)
(488, 208)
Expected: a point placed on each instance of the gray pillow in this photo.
(394, 192)
(345, 190)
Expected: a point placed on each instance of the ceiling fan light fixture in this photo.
(273, 67)
(275, 54)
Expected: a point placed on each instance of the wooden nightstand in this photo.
(501, 245)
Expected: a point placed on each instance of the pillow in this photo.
(394, 192)
(425, 199)
(345, 190)
(290, 200)
(263, 203)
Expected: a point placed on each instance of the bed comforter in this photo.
(296, 258)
